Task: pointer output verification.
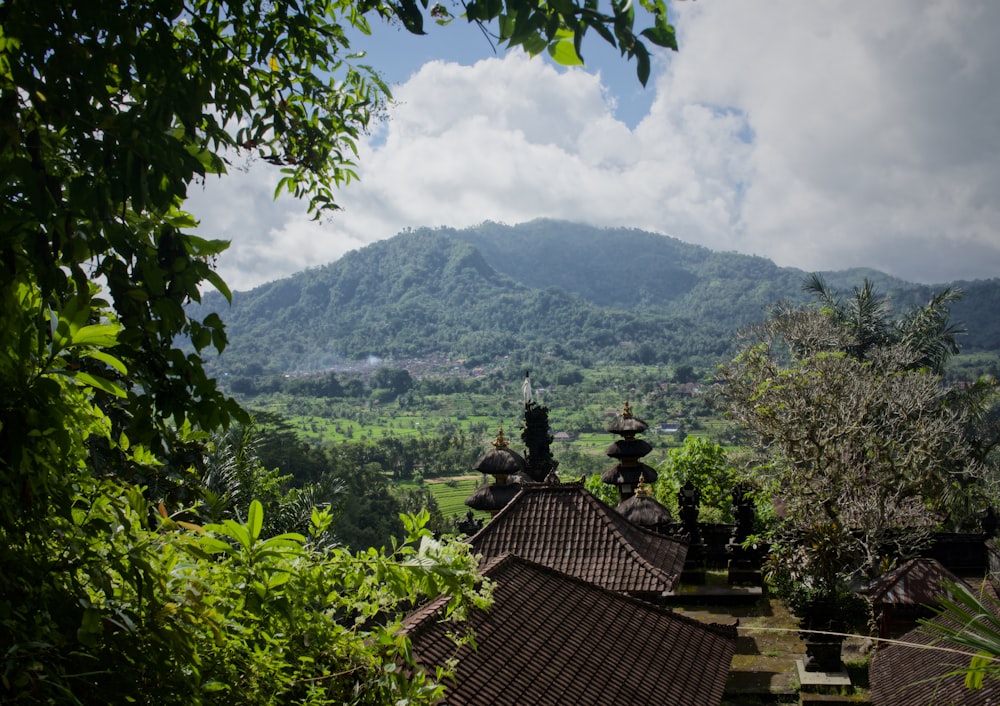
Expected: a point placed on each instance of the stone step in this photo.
(807, 699)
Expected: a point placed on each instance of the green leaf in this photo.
(974, 676)
(96, 335)
(255, 519)
(215, 546)
(410, 15)
(107, 359)
(99, 383)
(661, 36)
(235, 530)
(217, 282)
(642, 63)
(563, 52)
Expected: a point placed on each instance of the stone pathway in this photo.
(763, 669)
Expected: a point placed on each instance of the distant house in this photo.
(688, 389)
(564, 436)
(550, 638)
(668, 427)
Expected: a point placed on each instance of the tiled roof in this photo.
(919, 581)
(553, 639)
(566, 528)
(908, 676)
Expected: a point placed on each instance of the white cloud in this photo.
(820, 134)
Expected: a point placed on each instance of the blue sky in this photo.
(397, 55)
(820, 134)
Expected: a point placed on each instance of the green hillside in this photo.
(575, 293)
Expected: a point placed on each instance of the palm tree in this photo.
(927, 331)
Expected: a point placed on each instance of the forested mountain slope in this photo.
(631, 269)
(424, 293)
(580, 293)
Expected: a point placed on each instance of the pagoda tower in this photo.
(537, 440)
(629, 471)
(507, 467)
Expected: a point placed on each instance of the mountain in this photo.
(575, 292)
(633, 269)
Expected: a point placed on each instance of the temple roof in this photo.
(631, 475)
(917, 582)
(902, 674)
(493, 497)
(566, 528)
(626, 424)
(500, 460)
(644, 511)
(551, 638)
(629, 448)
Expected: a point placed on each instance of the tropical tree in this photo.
(706, 466)
(869, 450)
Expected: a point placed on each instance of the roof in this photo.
(620, 473)
(550, 638)
(644, 510)
(901, 674)
(493, 497)
(500, 461)
(919, 581)
(628, 448)
(567, 529)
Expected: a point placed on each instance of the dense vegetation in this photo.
(866, 446)
(544, 294)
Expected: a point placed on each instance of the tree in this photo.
(109, 111)
(868, 448)
(392, 382)
(705, 464)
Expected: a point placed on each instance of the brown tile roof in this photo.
(553, 639)
(919, 581)
(566, 528)
(908, 676)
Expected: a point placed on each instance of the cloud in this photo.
(819, 134)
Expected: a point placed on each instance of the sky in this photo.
(822, 135)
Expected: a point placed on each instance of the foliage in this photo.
(972, 622)
(726, 290)
(219, 613)
(868, 449)
(427, 294)
(863, 434)
(604, 492)
(539, 289)
(706, 465)
(806, 568)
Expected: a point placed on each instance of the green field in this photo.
(451, 493)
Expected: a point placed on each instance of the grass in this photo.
(450, 494)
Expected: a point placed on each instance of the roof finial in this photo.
(501, 441)
(626, 411)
